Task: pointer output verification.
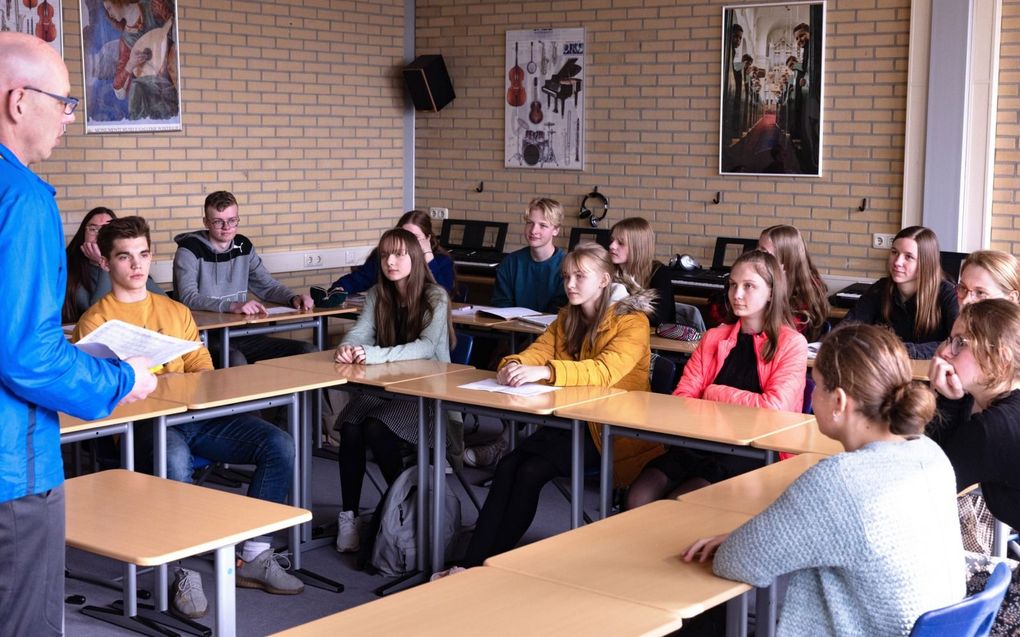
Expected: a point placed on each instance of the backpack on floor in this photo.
(395, 550)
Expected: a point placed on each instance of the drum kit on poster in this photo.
(536, 135)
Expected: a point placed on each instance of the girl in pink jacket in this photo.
(755, 358)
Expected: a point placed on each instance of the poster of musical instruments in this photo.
(129, 55)
(544, 102)
(42, 19)
(770, 119)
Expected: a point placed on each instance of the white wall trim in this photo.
(279, 262)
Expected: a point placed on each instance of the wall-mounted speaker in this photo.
(428, 83)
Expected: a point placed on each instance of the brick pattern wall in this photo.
(1006, 182)
(652, 99)
(295, 107)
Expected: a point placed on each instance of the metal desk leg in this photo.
(576, 473)
(438, 487)
(423, 502)
(765, 611)
(127, 448)
(225, 354)
(226, 612)
(295, 430)
(606, 474)
(159, 447)
(1000, 538)
(736, 616)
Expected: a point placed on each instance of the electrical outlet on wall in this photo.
(439, 213)
(882, 241)
(313, 260)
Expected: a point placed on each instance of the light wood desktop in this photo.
(139, 410)
(661, 344)
(235, 384)
(752, 492)
(636, 556)
(147, 521)
(218, 320)
(494, 602)
(687, 417)
(806, 439)
(379, 375)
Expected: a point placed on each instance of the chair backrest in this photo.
(973, 616)
(809, 389)
(663, 376)
(462, 352)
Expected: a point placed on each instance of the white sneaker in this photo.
(348, 534)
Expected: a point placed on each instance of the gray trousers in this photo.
(32, 564)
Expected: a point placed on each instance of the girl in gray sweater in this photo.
(870, 537)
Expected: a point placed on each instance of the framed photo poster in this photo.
(129, 55)
(770, 118)
(544, 105)
(43, 19)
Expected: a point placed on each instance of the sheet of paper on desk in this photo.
(463, 310)
(506, 313)
(125, 340)
(280, 310)
(529, 389)
(542, 320)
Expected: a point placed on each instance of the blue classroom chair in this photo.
(973, 616)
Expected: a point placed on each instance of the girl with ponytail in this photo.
(869, 537)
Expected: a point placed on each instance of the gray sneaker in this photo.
(267, 571)
(187, 599)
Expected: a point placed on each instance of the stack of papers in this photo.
(528, 389)
(117, 339)
(505, 313)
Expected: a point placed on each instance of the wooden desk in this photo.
(235, 390)
(918, 368)
(689, 422)
(121, 421)
(672, 345)
(533, 409)
(379, 375)
(493, 602)
(806, 439)
(752, 492)
(147, 521)
(635, 556)
(472, 319)
(235, 325)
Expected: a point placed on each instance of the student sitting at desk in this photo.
(988, 274)
(213, 271)
(633, 252)
(870, 537)
(419, 224)
(914, 300)
(242, 439)
(808, 301)
(593, 341)
(406, 317)
(530, 277)
(755, 358)
(87, 282)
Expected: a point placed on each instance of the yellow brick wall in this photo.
(652, 99)
(1006, 182)
(294, 106)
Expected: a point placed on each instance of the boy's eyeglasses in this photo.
(220, 224)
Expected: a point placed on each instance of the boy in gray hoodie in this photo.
(215, 268)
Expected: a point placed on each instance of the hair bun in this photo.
(908, 408)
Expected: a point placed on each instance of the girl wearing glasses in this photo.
(976, 373)
(869, 537)
(755, 358)
(988, 274)
(808, 302)
(914, 300)
(406, 317)
(87, 282)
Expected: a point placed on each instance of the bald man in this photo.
(40, 372)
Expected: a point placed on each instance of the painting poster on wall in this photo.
(41, 19)
(544, 105)
(771, 112)
(129, 55)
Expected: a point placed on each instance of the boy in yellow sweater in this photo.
(240, 439)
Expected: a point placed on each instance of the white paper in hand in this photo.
(117, 339)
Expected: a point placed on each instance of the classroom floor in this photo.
(259, 613)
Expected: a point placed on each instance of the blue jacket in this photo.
(41, 373)
(367, 275)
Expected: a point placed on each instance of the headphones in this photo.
(684, 262)
(593, 212)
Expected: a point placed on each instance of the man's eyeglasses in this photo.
(220, 224)
(954, 344)
(70, 103)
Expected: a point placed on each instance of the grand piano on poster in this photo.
(562, 85)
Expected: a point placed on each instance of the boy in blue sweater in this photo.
(530, 277)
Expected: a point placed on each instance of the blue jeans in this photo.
(239, 439)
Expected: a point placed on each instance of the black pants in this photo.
(513, 499)
(32, 565)
(355, 440)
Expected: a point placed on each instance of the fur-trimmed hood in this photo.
(626, 302)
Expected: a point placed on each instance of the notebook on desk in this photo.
(474, 243)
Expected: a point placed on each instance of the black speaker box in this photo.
(428, 83)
